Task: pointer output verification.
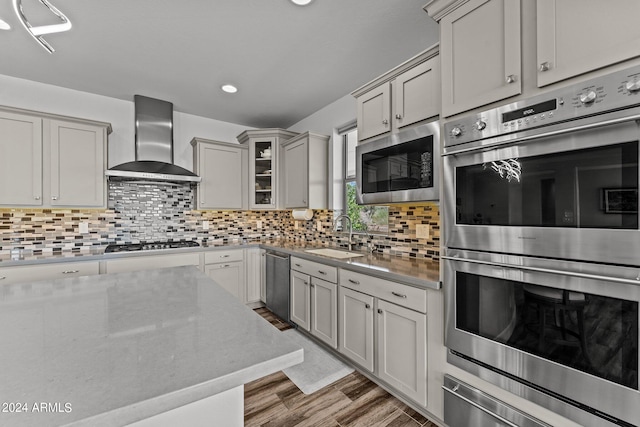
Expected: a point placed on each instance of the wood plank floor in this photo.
(353, 401)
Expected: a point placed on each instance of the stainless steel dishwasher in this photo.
(277, 284)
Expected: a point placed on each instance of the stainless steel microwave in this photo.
(402, 167)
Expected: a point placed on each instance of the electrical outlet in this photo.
(259, 225)
(205, 225)
(422, 231)
(83, 227)
(319, 225)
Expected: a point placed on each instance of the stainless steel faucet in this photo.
(335, 223)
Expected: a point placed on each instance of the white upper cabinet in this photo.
(264, 154)
(480, 54)
(51, 161)
(223, 169)
(20, 159)
(574, 36)
(406, 95)
(304, 169)
(77, 159)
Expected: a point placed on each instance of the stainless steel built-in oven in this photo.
(566, 332)
(553, 176)
(541, 265)
(401, 167)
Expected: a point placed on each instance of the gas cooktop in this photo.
(146, 246)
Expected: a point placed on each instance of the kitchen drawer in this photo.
(397, 293)
(32, 273)
(315, 269)
(230, 255)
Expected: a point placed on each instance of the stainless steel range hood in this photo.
(154, 145)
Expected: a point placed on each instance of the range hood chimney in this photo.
(154, 145)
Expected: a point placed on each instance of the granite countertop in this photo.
(415, 272)
(113, 349)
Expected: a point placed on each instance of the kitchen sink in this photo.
(334, 253)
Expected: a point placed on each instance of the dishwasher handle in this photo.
(273, 254)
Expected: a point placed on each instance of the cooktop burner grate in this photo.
(146, 246)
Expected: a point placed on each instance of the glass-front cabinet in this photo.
(263, 165)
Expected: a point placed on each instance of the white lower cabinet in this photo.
(227, 269)
(402, 349)
(255, 275)
(356, 327)
(32, 273)
(387, 338)
(314, 300)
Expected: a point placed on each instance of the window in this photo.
(364, 219)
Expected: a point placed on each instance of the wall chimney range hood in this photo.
(153, 145)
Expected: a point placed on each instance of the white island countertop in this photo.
(112, 349)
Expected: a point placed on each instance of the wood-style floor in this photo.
(275, 401)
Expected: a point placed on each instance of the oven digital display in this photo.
(530, 110)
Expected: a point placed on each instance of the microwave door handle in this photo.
(635, 282)
(542, 135)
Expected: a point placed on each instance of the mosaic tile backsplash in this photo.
(141, 212)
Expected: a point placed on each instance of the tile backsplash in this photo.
(152, 212)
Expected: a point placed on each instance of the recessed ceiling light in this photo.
(301, 2)
(229, 88)
(4, 25)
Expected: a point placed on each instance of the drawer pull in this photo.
(3, 277)
(224, 256)
(226, 265)
(298, 265)
(399, 295)
(70, 271)
(355, 282)
(322, 272)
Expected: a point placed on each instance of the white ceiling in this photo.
(287, 61)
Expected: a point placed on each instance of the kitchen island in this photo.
(131, 348)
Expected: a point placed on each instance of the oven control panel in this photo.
(615, 91)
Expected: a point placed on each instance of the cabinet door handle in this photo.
(511, 78)
(399, 116)
(54, 197)
(36, 197)
(355, 282)
(399, 295)
(306, 283)
(304, 201)
(544, 66)
(367, 306)
(3, 277)
(70, 271)
(380, 311)
(324, 273)
(313, 286)
(385, 122)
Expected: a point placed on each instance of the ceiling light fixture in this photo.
(229, 88)
(39, 31)
(301, 2)
(4, 25)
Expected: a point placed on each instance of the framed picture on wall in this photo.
(620, 200)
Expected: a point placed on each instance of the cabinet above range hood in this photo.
(153, 145)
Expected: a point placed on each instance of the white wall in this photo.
(30, 95)
(326, 121)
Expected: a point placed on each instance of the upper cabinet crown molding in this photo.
(423, 56)
(43, 115)
(437, 9)
(283, 134)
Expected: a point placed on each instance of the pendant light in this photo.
(38, 31)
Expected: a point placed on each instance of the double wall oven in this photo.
(542, 248)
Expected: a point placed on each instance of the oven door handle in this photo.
(635, 281)
(542, 135)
